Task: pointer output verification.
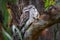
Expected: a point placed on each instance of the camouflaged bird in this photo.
(30, 14)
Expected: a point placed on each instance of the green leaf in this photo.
(5, 12)
(6, 35)
(6, 15)
(48, 3)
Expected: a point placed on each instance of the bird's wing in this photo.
(16, 33)
(24, 17)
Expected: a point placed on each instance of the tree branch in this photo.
(37, 29)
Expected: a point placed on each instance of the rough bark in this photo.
(37, 29)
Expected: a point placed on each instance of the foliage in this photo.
(6, 31)
(6, 14)
(48, 3)
(6, 35)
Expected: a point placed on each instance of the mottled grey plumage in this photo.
(31, 14)
(16, 33)
(23, 18)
